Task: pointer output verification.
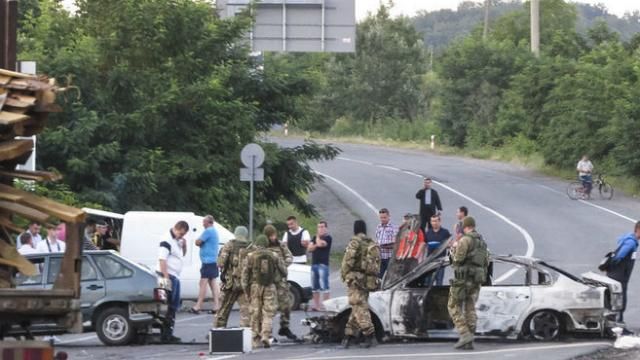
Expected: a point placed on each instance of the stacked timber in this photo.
(25, 103)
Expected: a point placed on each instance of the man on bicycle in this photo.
(585, 168)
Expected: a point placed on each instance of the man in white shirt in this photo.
(26, 244)
(34, 230)
(51, 244)
(170, 253)
(297, 240)
(585, 168)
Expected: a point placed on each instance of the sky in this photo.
(411, 7)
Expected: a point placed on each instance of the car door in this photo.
(92, 286)
(501, 304)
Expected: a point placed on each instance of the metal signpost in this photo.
(252, 156)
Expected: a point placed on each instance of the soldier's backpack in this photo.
(233, 266)
(264, 267)
(369, 263)
(478, 260)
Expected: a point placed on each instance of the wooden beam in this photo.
(71, 262)
(10, 118)
(30, 175)
(9, 225)
(60, 211)
(24, 211)
(14, 149)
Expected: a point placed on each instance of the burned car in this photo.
(530, 299)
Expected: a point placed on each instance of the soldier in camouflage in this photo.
(470, 260)
(360, 269)
(282, 285)
(230, 263)
(259, 272)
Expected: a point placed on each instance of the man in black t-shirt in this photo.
(320, 248)
(103, 238)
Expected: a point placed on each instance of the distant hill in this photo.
(442, 26)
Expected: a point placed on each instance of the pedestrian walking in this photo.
(470, 261)
(623, 261)
(170, 254)
(297, 240)
(429, 203)
(259, 284)
(320, 249)
(436, 236)
(386, 234)
(230, 262)
(208, 243)
(282, 285)
(359, 270)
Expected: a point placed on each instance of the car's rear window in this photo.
(111, 268)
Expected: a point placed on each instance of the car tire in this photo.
(114, 328)
(544, 325)
(295, 297)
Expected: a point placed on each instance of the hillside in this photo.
(441, 27)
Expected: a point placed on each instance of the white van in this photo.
(140, 232)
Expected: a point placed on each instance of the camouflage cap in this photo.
(241, 233)
(468, 222)
(9, 256)
(270, 230)
(261, 241)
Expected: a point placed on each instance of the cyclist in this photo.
(585, 168)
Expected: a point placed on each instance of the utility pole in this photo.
(485, 31)
(8, 33)
(535, 27)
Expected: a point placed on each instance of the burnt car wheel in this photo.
(295, 298)
(544, 326)
(114, 328)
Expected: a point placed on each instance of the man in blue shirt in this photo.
(208, 243)
(436, 236)
(623, 261)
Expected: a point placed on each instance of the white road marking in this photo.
(222, 357)
(355, 193)
(354, 160)
(551, 189)
(525, 234)
(458, 353)
(92, 337)
(608, 210)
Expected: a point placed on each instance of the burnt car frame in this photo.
(531, 300)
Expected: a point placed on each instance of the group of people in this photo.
(253, 274)
(97, 236)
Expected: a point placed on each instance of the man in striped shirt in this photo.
(386, 237)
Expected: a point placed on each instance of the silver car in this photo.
(522, 298)
(118, 298)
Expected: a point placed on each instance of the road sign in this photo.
(245, 174)
(252, 155)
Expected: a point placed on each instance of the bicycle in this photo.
(576, 191)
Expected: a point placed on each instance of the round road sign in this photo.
(252, 155)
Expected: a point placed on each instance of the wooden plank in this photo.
(11, 101)
(10, 118)
(4, 79)
(13, 149)
(23, 97)
(30, 175)
(9, 225)
(10, 197)
(16, 74)
(71, 261)
(24, 211)
(60, 211)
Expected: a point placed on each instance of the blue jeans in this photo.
(384, 263)
(587, 182)
(320, 277)
(173, 303)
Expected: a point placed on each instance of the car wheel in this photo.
(114, 328)
(295, 298)
(544, 326)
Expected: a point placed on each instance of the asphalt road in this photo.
(518, 212)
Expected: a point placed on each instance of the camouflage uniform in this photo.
(470, 262)
(282, 285)
(360, 268)
(263, 296)
(230, 261)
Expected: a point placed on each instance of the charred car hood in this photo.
(592, 278)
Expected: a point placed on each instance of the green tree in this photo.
(169, 97)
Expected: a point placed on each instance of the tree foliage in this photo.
(169, 96)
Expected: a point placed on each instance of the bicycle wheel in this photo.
(606, 191)
(575, 190)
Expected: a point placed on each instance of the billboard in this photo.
(298, 25)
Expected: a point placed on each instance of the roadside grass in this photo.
(278, 217)
(514, 153)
